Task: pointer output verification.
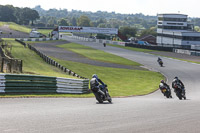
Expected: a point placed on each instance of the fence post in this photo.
(2, 64)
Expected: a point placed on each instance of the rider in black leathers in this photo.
(162, 85)
(96, 86)
(159, 59)
(176, 81)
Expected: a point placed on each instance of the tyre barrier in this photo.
(17, 83)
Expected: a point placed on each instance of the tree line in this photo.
(22, 16)
(130, 25)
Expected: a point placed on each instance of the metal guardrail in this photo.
(36, 39)
(13, 83)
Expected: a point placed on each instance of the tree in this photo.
(63, 22)
(7, 13)
(34, 16)
(128, 31)
(151, 31)
(28, 15)
(84, 21)
(73, 21)
(197, 28)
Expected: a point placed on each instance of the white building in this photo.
(175, 30)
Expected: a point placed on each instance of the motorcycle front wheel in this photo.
(98, 97)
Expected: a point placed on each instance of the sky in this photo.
(146, 7)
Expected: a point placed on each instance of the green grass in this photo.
(2, 23)
(121, 82)
(45, 31)
(95, 54)
(16, 27)
(32, 63)
(132, 48)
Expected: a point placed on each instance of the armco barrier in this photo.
(36, 39)
(169, 49)
(10, 83)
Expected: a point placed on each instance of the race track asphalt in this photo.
(152, 113)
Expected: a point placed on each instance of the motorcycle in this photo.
(180, 93)
(160, 62)
(101, 98)
(166, 92)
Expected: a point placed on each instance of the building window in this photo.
(175, 23)
(191, 38)
(175, 19)
(173, 27)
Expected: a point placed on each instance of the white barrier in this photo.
(36, 39)
(99, 40)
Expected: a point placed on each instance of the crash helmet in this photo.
(162, 81)
(95, 76)
(176, 78)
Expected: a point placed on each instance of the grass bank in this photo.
(32, 63)
(99, 55)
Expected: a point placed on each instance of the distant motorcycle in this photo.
(166, 92)
(101, 98)
(160, 62)
(180, 93)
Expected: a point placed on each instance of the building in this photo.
(149, 38)
(174, 30)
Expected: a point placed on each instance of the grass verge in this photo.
(121, 82)
(133, 49)
(95, 54)
(32, 63)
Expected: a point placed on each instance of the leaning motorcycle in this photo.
(101, 98)
(180, 93)
(160, 63)
(166, 92)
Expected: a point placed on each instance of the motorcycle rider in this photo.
(160, 61)
(175, 81)
(96, 86)
(162, 85)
